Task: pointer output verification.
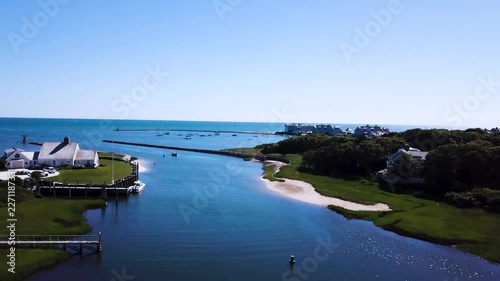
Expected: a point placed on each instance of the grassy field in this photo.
(99, 175)
(43, 217)
(244, 150)
(110, 154)
(473, 230)
(29, 261)
(269, 174)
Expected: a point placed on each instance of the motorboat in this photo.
(137, 187)
(174, 154)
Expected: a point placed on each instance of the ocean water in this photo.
(209, 217)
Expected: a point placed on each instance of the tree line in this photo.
(462, 166)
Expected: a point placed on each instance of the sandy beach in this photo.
(305, 192)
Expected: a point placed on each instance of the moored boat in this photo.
(137, 187)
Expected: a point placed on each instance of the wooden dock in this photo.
(73, 242)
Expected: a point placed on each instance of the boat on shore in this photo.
(137, 187)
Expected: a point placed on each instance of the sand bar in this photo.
(305, 192)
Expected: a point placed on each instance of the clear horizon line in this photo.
(223, 121)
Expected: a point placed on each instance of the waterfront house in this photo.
(55, 154)
(18, 159)
(413, 152)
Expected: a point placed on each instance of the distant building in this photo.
(494, 130)
(300, 129)
(371, 131)
(329, 130)
(53, 154)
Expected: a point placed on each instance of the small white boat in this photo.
(137, 187)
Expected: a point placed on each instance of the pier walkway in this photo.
(73, 242)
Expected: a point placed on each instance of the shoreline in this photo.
(305, 192)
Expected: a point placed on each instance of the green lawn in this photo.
(473, 230)
(269, 174)
(51, 216)
(110, 154)
(244, 150)
(99, 175)
(29, 261)
(43, 217)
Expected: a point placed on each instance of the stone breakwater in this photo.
(242, 155)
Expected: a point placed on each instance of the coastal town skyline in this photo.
(303, 61)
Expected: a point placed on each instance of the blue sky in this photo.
(420, 63)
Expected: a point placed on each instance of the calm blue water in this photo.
(207, 217)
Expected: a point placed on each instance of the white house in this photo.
(19, 159)
(53, 154)
(413, 152)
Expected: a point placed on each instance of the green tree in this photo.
(36, 176)
(406, 166)
(440, 169)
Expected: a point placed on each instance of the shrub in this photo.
(486, 198)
